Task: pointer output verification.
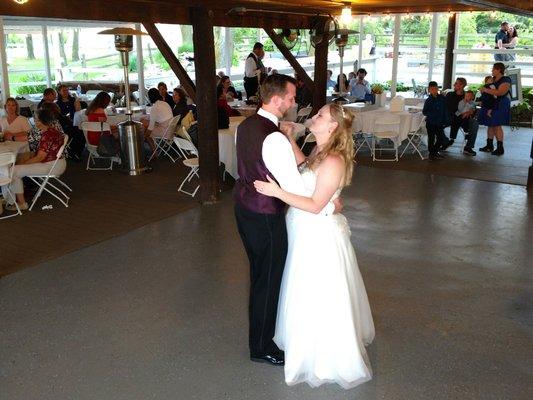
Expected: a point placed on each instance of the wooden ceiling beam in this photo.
(171, 59)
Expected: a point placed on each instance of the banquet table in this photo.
(227, 152)
(112, 119)
(409, 122)
(245, 110)
(12, 147)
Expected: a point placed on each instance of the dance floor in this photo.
(511, 168)
(160, 312)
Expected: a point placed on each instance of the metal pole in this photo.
(46, 56)
(432, 45)
(140, 66)
(360, 56)
(455, 44)
(3, 62)
(228, 39)
(395, 53)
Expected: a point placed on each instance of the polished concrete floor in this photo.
(160, 312)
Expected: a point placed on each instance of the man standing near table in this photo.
(457, 121)
(254, 68)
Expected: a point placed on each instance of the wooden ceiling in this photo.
(253, 13)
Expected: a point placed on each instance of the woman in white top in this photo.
(14, 126)
(160, 116)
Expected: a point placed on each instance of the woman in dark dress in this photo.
(501, 112)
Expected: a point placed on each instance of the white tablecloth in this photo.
(113, 119)
(365, 122)
(14, 147)
(227, 152)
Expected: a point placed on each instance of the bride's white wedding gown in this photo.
(324, 320)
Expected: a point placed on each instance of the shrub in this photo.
(31, 89)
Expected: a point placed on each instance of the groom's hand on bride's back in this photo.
(338, 203)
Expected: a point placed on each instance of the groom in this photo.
(263, 150)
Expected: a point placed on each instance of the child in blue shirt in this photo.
(437, 117)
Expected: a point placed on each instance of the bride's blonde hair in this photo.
(340, 142)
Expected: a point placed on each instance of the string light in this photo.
(20, 1)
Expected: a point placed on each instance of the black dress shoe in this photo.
(268, 359)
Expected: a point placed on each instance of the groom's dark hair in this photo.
(275, 85)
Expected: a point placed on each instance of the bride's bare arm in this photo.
(328, 181)
(287, 128)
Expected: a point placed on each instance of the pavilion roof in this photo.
(252, 13)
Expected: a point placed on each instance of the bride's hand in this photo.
(287, 128)
(269, 188)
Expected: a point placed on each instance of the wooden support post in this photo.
(204, 61)
(291, 59)
(448, 56)
(172, 60)
(321, 78)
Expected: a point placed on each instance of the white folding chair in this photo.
(187, 147)
(164, 143)
(303, 114)
(92, 149)
(414, 138)
(186, 150)
(310, 138)
(387, 128)
(45, 184)
(7, 162)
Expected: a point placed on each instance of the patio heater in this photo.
(130, 132)
(341, 40)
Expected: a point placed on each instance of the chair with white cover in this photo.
(387, 128)
(187, 148)
(360, 138)
(92, 149)
(414, 138)
(310, 138)
(303, 114)
(164, 143)
(46, 182)
(7, 162)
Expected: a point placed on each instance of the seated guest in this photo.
(34, 136)
(464, 120)
(49, 96)
(67, 104)
(181, 107)
(51, 142)
(224, 110)
(77, 141)
(436, 119)
(304, 97)
(359, 87)
(96, 113)
(227, 88)
(163, 91)
(15, 126)
(160, 116)
(344, 87)
(330, 84)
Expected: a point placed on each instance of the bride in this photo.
(324, 320)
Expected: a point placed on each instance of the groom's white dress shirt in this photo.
(279, 158)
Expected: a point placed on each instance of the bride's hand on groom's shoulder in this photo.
(287, 128)
(269, 188)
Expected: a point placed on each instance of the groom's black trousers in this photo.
(265, 239)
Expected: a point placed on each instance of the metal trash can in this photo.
(131, 146)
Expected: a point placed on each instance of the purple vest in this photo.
(250, 136)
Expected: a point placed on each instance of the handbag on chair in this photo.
(107, 146)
